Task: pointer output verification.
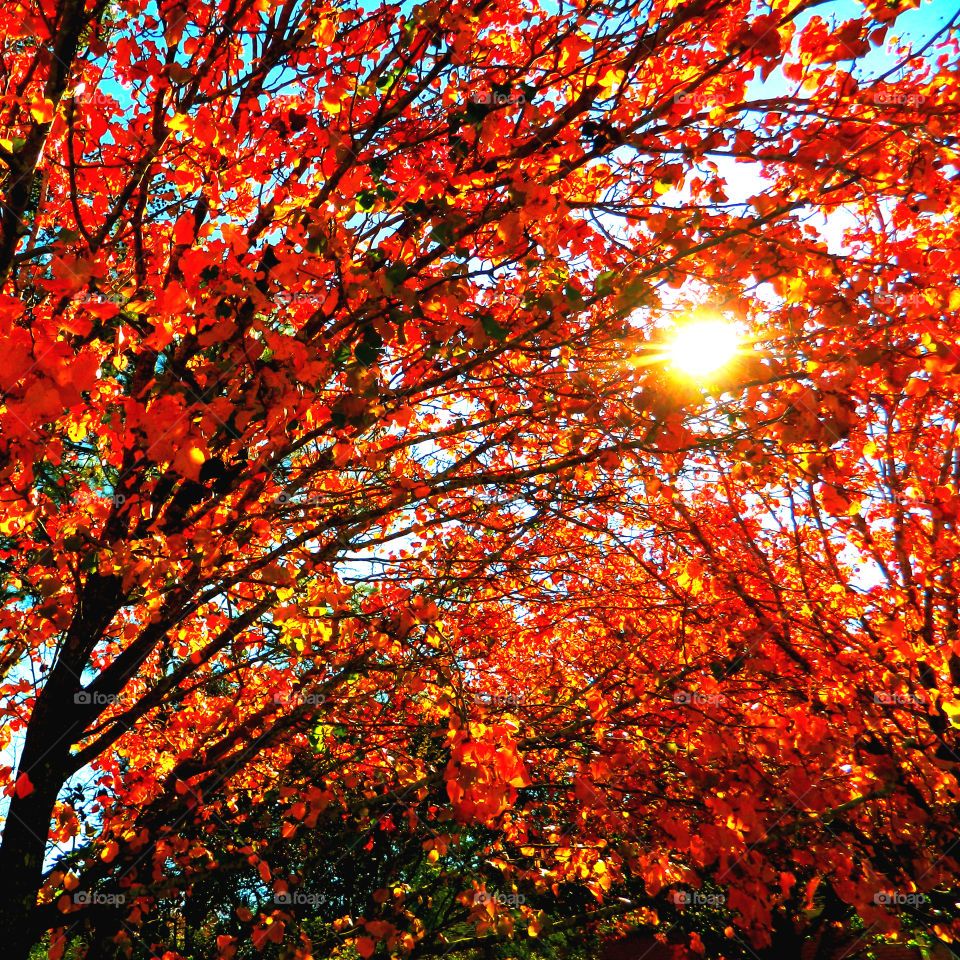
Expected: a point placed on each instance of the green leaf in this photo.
(366, 355)
(492, 328)
(372, 338)
(416, 208)
(366, 199)
(604, 283)
(396, 273)
(367, 351)
(636, 292)
(442, 233)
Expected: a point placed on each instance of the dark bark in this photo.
(56, 722)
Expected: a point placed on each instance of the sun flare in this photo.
(703, 346)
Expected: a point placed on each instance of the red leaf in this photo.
(365, 946)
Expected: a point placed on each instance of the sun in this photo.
(703, 346)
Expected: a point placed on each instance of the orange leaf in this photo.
(326, 32)
(189, 459)
(365, 946)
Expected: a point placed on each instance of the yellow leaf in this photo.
(326, 32)
(324, 630)
(9, 526)
(42, 110)
(952, 710)
(610, 81)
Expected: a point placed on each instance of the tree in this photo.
(348, 490)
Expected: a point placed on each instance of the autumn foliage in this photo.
(374, 583)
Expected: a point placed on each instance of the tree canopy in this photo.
(380, 575)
